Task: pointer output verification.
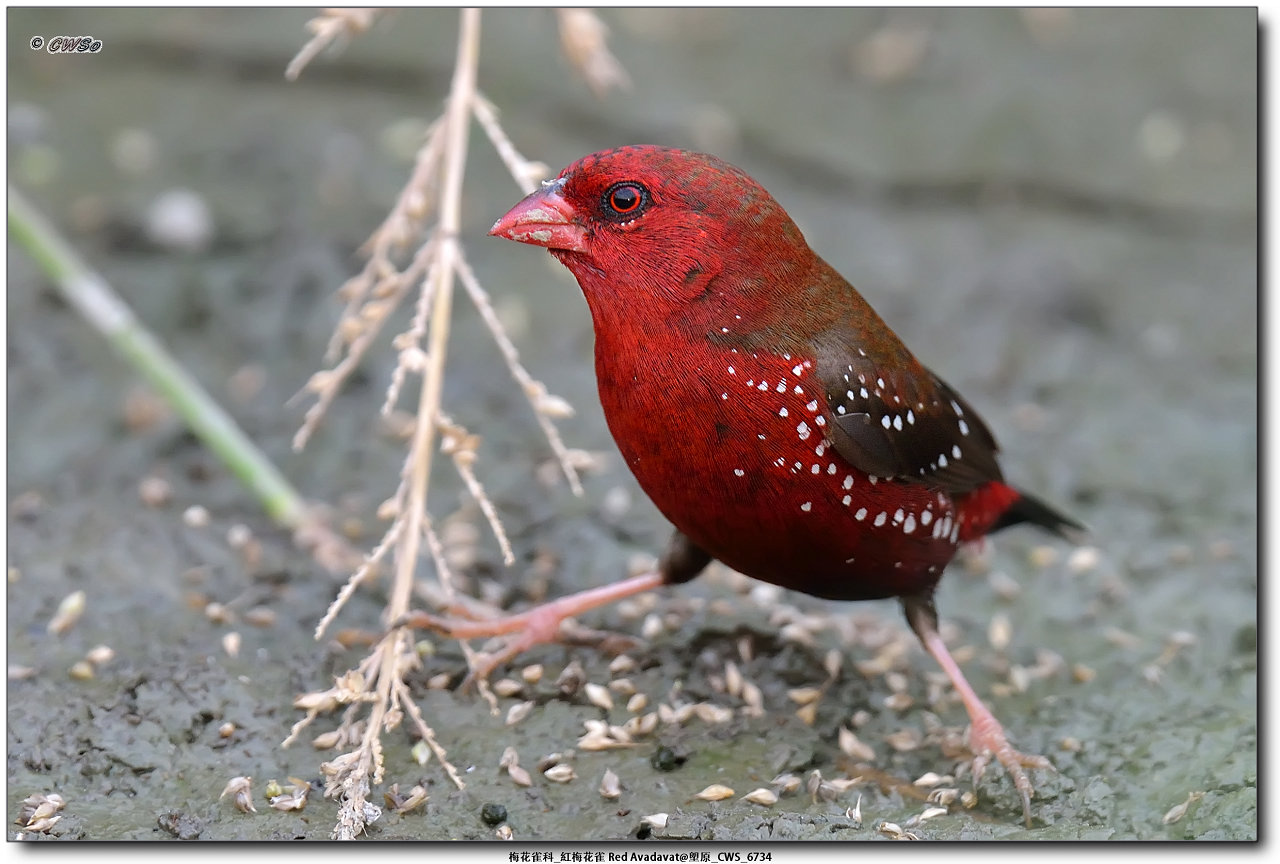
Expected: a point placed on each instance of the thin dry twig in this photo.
(328, 26)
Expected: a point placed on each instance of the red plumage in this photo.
(767, 410)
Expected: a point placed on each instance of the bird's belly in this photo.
(736, 458)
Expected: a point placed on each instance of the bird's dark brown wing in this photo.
(900, 420)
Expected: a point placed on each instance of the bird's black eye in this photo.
(626, 199)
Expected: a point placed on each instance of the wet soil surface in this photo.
(1058, 212)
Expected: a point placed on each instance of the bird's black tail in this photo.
(1027, 508)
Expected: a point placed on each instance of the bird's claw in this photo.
(987, 741)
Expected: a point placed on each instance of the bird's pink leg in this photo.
(536, 626)
(986, 736)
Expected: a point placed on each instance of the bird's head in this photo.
(652, 230)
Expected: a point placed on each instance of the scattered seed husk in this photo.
(968, 799)
(17, 672)
(326, 740)
(560, 773)
(598, 696)
(854, 813)
(81, 670)
(261, 616)
(610, 786)
(999, 631)
(898, 701)
(226, 730)
(622, 664)
(788, 784)
(715, 792)
(519, 776)
(652, 627)
(421, 752)
(711, 713)
(1003, 585)
(241, 792)
(532, 673)
(506, 687)
(67, 613)
(518, 712)
(1070, 745)
(217, 613)
(853, 747)
(1178, 811)
(570, 679)
(622, 686)
(904, 740)
(808, 714)
(656, 820)
(1083, 559)
(504, 832)
(100, 655)
(154, 491)
(231, 643)
(637, 703)
(944, 796)
(762, 796)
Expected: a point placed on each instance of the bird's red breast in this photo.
(761, 403)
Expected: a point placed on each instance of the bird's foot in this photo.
(987, 741)
(540, 625)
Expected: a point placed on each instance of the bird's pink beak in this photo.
(543, 219)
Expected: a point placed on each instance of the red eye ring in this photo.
(626, 199)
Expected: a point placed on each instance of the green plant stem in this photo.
(91, 296)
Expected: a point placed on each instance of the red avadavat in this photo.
(762, 404)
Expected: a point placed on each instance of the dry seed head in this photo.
(610, 786)
(518, 712)
(67, 614)
(762, 796)
(560, 773)
(715, 792)
(598, 696)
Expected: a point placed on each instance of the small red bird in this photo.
(762, 404)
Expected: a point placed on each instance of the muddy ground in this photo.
(1056, 211)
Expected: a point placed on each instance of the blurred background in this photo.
(1056, 209)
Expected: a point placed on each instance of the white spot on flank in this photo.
(739, 472)
(861, 514)
(815, 469)
(724, 395)
(831, 468)
(898, 516)
(881, 517)
(872, 478)
(782, 412)
(848, 481)
(955, 450)
(849, 393)
(956, 407)
(926, 517)
(786, 356)
(782, 387)
(911, 418)
(812, 405)
(797, 369)
(897, 422)
(909, 525)
(731, 372)
(820, 449)
(845, 500)
(880, 383)
(806, 506)
(820, 420)
(839, 409)
(762, 386)
(751, 382)
(803, 429)
(724, 329)
(799, 391)
(942, 461)
(885, 421)
(964, 428)
(760, 435)
(863, 392)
